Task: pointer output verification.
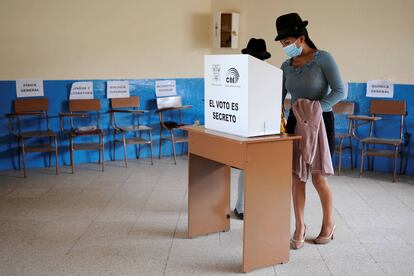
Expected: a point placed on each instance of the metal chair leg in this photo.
(340, 156)
(50, 152)
(24, 159)
(18, 153)
(401, 158)
(173, 147)
(369, 158)
(159, 151)
(136, 146)
(103, 152)
(56, 156)
(99, 151)
(125, 154)
(395, 163)
(71, 155)
(356, 159)
(351, 153)
(152, 161)
(361, 171)
(114, 145)
(182, 146)
(139, 145)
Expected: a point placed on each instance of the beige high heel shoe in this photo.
(325, 240)
(298, 244)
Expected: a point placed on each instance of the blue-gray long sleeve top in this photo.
(317, 80)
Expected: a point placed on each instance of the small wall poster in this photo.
(29, 88)
(117, 89)
(81, 90)
(380, 89)
(165, 88)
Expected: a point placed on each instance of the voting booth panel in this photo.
(264, 98)
(243, 95)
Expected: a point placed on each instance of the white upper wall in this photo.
(78, 39)
(58, 39)
(369, 39)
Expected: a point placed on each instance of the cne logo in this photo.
(232, 75)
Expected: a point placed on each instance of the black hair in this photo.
(308, 41)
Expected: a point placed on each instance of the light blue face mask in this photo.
(292, 50)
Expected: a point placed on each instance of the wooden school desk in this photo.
(267, 162)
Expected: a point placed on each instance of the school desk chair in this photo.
(31, 119)
(172, 122)
(84, 117)
(342, 109)
(369, 149)
(127, 110)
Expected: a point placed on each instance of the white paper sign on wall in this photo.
(29, 88)
(165, 88)
(81, 90)
(380, 89)
(117, 89)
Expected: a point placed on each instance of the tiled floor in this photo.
(133, 222)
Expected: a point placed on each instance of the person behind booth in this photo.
(256, 48)
(312, 78)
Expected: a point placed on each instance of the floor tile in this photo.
(133, 221)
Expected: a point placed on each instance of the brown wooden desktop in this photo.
(267, 162)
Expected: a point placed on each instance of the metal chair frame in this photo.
(84, 108)
(385, 107)
(171, 104)
(119, 106)
(344, 108)
(34, 107)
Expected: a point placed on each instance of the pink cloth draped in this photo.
(310, 154)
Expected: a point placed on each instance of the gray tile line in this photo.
(392, 194)
(406, 205)
(274, 269)
(324, 261)
(172, 243)
(79, 237)
(372, 257)
(363, 199)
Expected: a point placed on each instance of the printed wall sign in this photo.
(81, 90)
(117, 89)
(165, 88)
(380, 89)
(29, 88)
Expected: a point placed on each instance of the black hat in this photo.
(257, 48)
(290, 25)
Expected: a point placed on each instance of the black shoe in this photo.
(238, 215)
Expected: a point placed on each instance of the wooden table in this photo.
(267, 162)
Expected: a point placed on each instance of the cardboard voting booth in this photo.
(243, 95)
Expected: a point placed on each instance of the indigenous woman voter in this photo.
(312, 78)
